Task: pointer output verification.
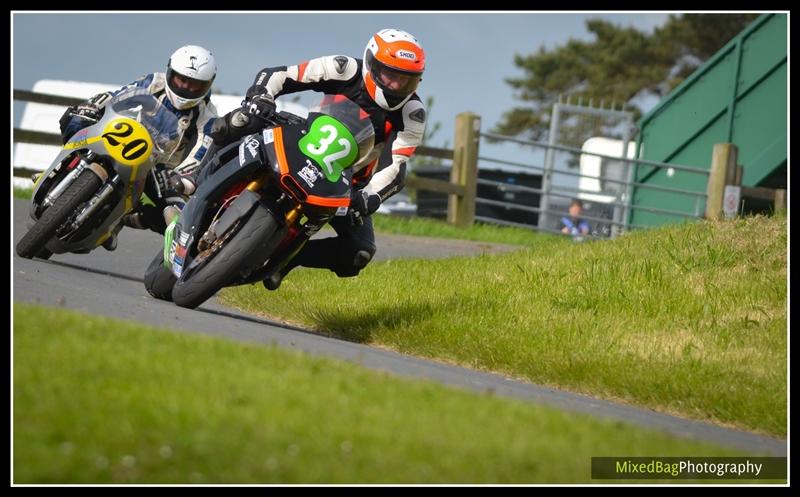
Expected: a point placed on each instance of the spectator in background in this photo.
(573, 224)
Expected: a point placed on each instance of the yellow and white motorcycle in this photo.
(99, 176)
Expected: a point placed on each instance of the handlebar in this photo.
(280, 118)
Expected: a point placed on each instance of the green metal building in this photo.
(738, 96)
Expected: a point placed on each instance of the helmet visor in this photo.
(186, 87)
(392, 81)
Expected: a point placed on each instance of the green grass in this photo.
(420, 226)
(688, 319)
(23, 192)
(98, 400)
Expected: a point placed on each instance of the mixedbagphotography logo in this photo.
(689, 468)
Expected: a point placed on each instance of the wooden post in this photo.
(461, 209)
(780, 200)
(723, 172)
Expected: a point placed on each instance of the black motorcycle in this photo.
(269, 193)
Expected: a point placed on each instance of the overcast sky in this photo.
(468, 54)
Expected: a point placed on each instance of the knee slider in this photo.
(362, 258)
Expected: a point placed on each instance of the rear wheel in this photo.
(158, 280)
(34, 241)
(245, 249)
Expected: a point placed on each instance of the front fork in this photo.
(284, 253)
(291, 216)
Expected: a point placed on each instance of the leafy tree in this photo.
(431, 129)
(622, 64)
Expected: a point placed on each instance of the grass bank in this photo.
(688, 319)
(98, 400)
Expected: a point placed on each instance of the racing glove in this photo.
(363, 204)
(262, 105)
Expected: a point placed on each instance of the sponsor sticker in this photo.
(172, 247)
(309, 174)
(341, 63)
(405, 54)
(252, 147)
(418, 115)
(177, 268)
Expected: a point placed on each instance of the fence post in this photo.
(461, 210)
(631, 168)
(737, 179)
(780, 200)
(723, 172)
(547, 174)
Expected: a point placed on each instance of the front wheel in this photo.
(81, 190)
(246, 249)
(44, 253)
(158, 280)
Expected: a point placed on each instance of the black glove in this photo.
(88, 112)
(258, 89)
(363, 204)
(262, 105)
(232, 127)
(168, 182)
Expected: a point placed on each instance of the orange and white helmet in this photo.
(393, 65)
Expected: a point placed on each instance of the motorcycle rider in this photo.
(383, 84)
(185, 89)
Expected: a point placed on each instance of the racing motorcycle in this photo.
(99, 176)
(268, 194)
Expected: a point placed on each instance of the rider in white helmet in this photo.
(186, 89)
(190, 72)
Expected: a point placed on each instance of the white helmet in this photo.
(190, 72)
(393, 65)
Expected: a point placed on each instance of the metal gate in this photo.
(571, 125)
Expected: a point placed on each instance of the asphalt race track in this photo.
(110, 284)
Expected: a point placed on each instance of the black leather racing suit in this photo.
(397, 134)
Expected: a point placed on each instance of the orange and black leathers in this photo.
(354, 246)
(392, 128)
